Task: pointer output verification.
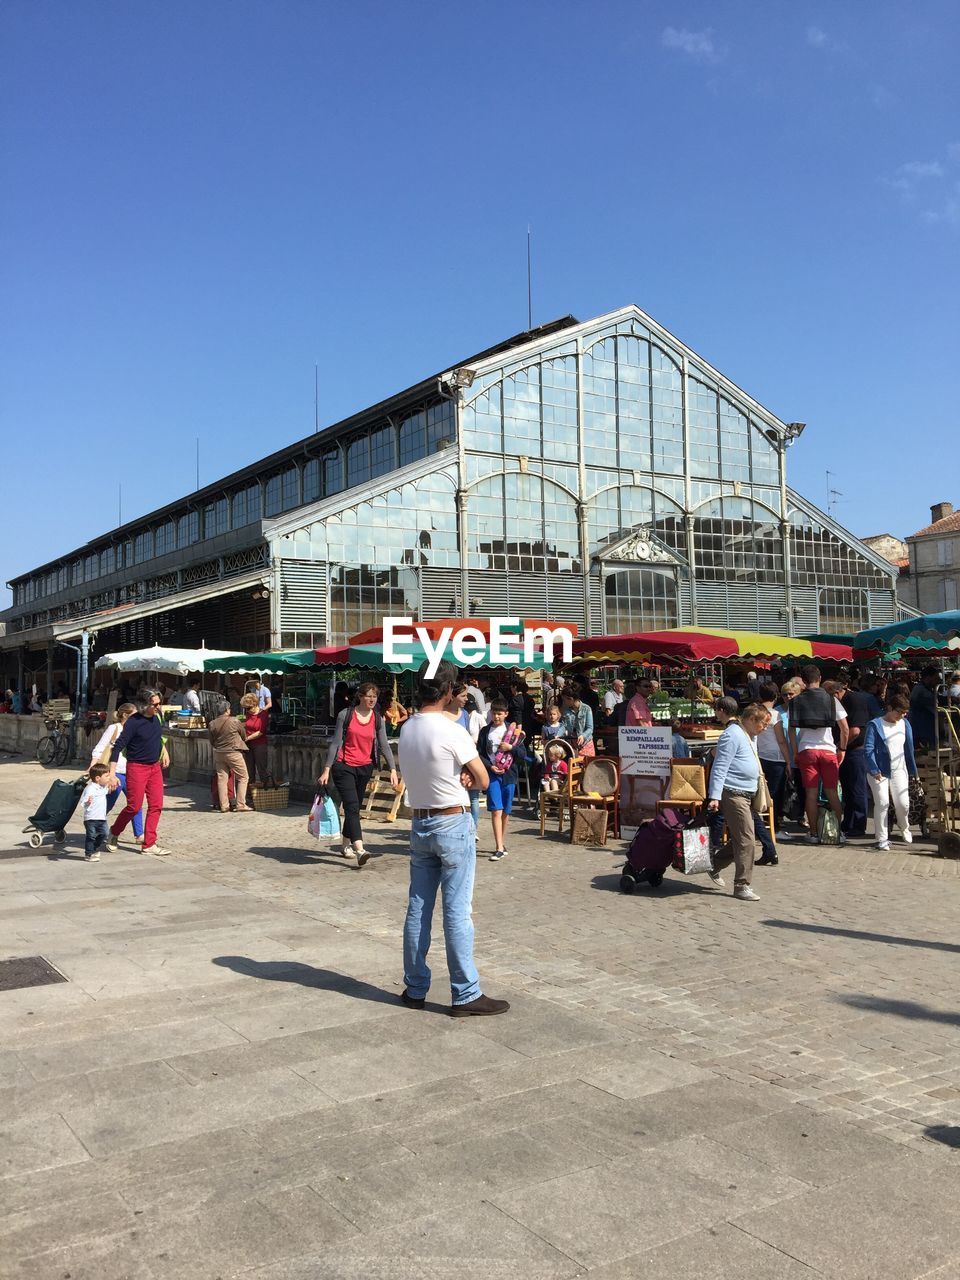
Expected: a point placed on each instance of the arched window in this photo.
(522, 523)
(614, 512)
(639, 600)
(818, 557)
(737, 541)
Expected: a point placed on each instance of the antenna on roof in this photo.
(833, 495)
(529, 282)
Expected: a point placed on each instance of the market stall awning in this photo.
(332, 655)
(179, 662)
(279, 663)
(434, 628)
(702, 644)
(930, 635)
(371, 656)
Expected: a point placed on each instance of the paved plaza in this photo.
(686, 1085)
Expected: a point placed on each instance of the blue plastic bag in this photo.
(324, 821)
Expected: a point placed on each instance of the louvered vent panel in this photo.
(440, 593)
(712, 604)
(806, 612)
(882, 607)
(303, 595)
(597, 621)
(772, 610)
(565, 599)
(489, 586)
(685, 602)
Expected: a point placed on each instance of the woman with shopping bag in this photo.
(359, 740)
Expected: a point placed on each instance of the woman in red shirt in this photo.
(257, 724)
(359, 740)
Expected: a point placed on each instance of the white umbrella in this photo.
(179, 662)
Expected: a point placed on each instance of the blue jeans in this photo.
(443, 856)
(853, 781)
(122, 791)
(475, 807)
(96, 832)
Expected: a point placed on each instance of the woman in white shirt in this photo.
(467, 714)
(888, 750)
(107, 740)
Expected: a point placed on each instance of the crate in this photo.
(270, 797)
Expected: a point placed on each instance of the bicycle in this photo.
(54, 747)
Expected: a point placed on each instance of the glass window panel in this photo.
(358, 461)
(272, 496)
(332, 471)
(311, 480)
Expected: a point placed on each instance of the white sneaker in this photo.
(347, 851)
(362, 856)
(717, 879)
(157, 851)
(745, 894)
(907, 836)
(112, 841)
(885, 846)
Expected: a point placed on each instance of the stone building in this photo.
(934, 570)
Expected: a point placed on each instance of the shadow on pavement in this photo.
(900, 1009)
(893, 939)
(948, 1134)
(670, 887)
(303, 857)
(305, 975)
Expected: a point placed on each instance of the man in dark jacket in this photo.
(853, 770)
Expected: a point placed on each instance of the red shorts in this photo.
(819, 766)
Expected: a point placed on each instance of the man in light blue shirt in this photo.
(264, 696)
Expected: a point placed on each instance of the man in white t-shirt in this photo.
(437, 756)
(191, 698)
(612, 699)
(814, 714)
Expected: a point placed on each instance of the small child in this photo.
(555, 774)
(94, 801)
(553, 727)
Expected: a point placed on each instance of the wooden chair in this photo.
(599, 788)
(562, 800)
(686, 788)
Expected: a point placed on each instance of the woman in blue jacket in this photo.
(888, 751)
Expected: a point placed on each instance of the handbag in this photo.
(917, 815)
(760, 802)
(504, 759)
(693, 850)
(588, 749)
(105, 754)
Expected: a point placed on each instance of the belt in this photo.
(439, 813)
(731, 791)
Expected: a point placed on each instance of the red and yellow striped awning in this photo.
(703, 644)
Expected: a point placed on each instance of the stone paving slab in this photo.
(686, 1085)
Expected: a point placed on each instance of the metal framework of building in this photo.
(597, 472)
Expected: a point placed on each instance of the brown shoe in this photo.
(482, 1006)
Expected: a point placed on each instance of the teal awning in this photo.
(930, 635)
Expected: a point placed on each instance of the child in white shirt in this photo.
(94, 802)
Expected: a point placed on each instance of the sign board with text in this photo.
(645, 755)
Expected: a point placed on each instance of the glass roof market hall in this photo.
(598, 472)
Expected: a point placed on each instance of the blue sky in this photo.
(201, 200)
